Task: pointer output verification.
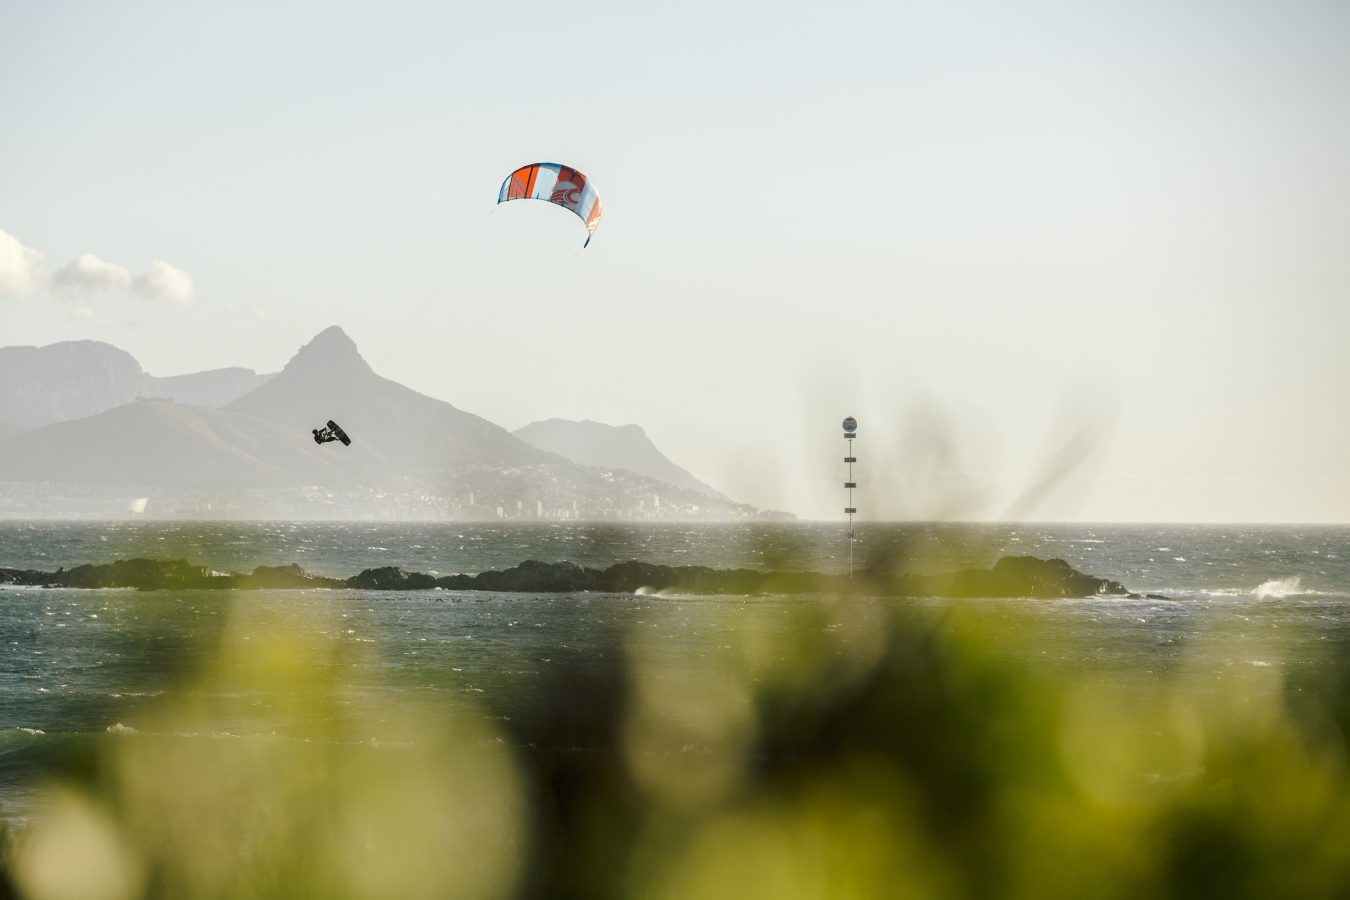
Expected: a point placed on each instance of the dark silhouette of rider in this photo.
(331, 433)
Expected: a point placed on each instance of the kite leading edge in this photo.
(558, 184)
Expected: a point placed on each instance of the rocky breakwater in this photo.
(158, 575)
(1012, 576)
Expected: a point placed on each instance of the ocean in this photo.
(79, 668)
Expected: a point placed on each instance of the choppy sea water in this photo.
(78, 666)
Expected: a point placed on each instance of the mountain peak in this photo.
(329, 348)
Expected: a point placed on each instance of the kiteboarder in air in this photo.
(331, 433)
(551, 182)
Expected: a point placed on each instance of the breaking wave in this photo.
(1278, 589)
(31, 732)
(1274, 589)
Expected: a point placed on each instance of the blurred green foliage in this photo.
(863, 750)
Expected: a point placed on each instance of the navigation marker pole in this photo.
(850, 432)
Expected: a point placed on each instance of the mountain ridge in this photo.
(388, 422)
(591, 443)
(411, 455)
(76, 379)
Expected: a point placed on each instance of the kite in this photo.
(558, 184)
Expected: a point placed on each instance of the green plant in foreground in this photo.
(854, 750)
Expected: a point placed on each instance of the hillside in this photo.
(75, 379)
(590, 443)
(264, 439)
(69, 380)
(213, 388)
(156, 442)
(390, 425)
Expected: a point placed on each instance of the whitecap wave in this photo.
(1278, 589)
(119, 728)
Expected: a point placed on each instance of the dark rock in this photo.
(291, 576)
(154, 575)
(144, 574)
(1012, 576)
(24, 577)
(532, 575)
(391, 578)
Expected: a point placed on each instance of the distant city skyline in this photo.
(1061, 263)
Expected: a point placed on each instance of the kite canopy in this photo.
(558, 184)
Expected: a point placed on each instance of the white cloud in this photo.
(87, 274)
(166, 282)
(82, 314)
(23, 270)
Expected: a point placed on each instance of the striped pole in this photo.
(850, 432)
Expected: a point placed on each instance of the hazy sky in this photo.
(1011, 239)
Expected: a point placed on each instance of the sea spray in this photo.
(1277, 589)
